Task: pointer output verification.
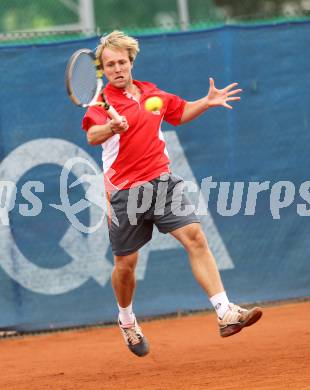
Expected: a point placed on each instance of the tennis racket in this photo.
(84, 82)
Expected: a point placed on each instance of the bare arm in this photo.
(98, 134)
(216, 97)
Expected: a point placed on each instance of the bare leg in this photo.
(124, 283)
(123, 278)
(202, 261)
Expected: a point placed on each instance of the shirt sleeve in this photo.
(94, 116)
(175, 108)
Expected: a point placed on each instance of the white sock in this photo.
(220, 303)
(126, 315)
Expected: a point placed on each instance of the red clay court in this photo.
(186, 353)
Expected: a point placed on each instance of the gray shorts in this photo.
(134, 212)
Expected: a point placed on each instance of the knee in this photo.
(197, 242)
(125, 265)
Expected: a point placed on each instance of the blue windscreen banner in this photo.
(246, 171)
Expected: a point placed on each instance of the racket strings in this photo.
(84, 80)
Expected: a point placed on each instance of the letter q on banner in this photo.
(80, 248)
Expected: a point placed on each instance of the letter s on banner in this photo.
(66, 278)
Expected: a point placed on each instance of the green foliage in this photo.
(112, 14)
(263, 9)
(145, 15)
(29, 14)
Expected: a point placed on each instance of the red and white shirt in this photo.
(138, 155)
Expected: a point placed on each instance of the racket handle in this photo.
(113, 114)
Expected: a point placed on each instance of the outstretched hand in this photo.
(220, 97)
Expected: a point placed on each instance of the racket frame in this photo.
(113, 114)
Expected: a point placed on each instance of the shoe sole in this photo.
(141, 349)
(254, 316)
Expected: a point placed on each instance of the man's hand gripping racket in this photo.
(84, 86)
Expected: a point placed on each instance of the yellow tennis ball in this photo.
(154, 103)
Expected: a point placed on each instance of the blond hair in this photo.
(118, 40)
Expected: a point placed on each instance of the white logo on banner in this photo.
(88, 252)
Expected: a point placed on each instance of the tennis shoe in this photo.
(236, 318)
(134, 338)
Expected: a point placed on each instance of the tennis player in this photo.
(136, 166)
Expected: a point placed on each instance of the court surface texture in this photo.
(186, 353)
